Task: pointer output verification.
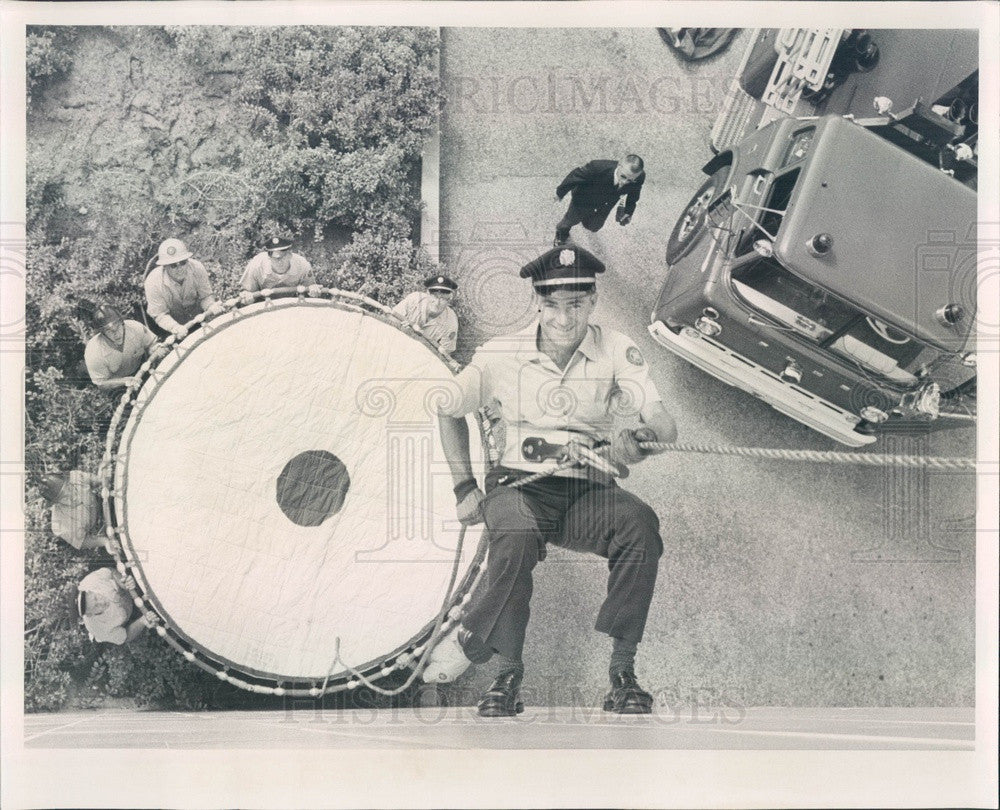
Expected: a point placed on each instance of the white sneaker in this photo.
(447, 660)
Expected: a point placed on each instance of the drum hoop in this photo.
(113, 487)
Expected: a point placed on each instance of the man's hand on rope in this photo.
(588, 457)
(246, 297)
(625, 449)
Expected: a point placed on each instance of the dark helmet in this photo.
(105, 314)
(52, 486)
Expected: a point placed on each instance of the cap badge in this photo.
(566, 258)
(440, 280)
(171, 250)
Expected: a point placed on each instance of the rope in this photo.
(782, 454)
(827, 456)
(428, 647)
(530, 479)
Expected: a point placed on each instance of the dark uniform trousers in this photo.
(575, 514)
(592, 217)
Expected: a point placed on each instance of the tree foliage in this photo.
(217, 136)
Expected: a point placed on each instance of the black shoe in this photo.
(559, 241)
(501, 699)
(626, 696)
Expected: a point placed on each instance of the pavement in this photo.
(575, 727)
(781, 583)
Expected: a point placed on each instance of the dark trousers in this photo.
(592, 219)
(571, 513)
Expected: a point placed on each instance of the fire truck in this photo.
(827, 264)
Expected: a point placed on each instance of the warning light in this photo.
(820, 244)
(950, 314)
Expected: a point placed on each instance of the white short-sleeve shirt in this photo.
(105, 360)
(442, 329)
(259, 273)
(109, 625)
(607, 376)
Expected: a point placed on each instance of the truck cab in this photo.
(829, 269)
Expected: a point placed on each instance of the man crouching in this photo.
(557, 383)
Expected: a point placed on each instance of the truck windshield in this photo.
(830, 322)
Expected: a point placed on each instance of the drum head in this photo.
(280, 484)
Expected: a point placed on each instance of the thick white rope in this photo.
(824, 456)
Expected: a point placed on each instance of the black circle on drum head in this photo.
(312, 487)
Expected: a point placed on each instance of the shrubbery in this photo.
(217, 136)
(47, 55)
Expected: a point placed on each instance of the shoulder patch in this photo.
(634, 356)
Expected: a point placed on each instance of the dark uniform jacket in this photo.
(594, 189)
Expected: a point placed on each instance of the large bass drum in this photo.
(275, 484)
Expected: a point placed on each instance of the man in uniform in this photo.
(276, 266)
(430, 312)
(114, 354)
(595, 189)
(561, 381)
(76, 510)
(177, 288)
(106, 607)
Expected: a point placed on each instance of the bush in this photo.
(47, 57)
(216, 136)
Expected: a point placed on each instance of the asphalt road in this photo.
(782, 583)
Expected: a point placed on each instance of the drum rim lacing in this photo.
(201, 327)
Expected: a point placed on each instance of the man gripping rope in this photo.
(560, 381)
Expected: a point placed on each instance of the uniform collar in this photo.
(528, 343)
(118, 347)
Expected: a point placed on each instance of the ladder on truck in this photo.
(802, 61)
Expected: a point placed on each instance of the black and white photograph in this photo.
(459, 404)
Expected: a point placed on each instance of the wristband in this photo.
(463, 488)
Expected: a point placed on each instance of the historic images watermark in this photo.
(554, 700)
(957, 270)
(13, 277)
(567, 93)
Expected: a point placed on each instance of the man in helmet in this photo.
(177, 288)
(76, 510)
(562, 381)
(276, 266)
(106, 607)
(114, 354)
(430, 312)
(595, 189)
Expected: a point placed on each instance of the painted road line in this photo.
(57, 729)
(819, 735)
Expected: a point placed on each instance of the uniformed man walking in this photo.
(430, 312)
(595, 189)
(560, 381)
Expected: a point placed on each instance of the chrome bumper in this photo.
(734, 369)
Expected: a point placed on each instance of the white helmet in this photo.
(172, 251)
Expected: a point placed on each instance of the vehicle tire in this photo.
(690, 227)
